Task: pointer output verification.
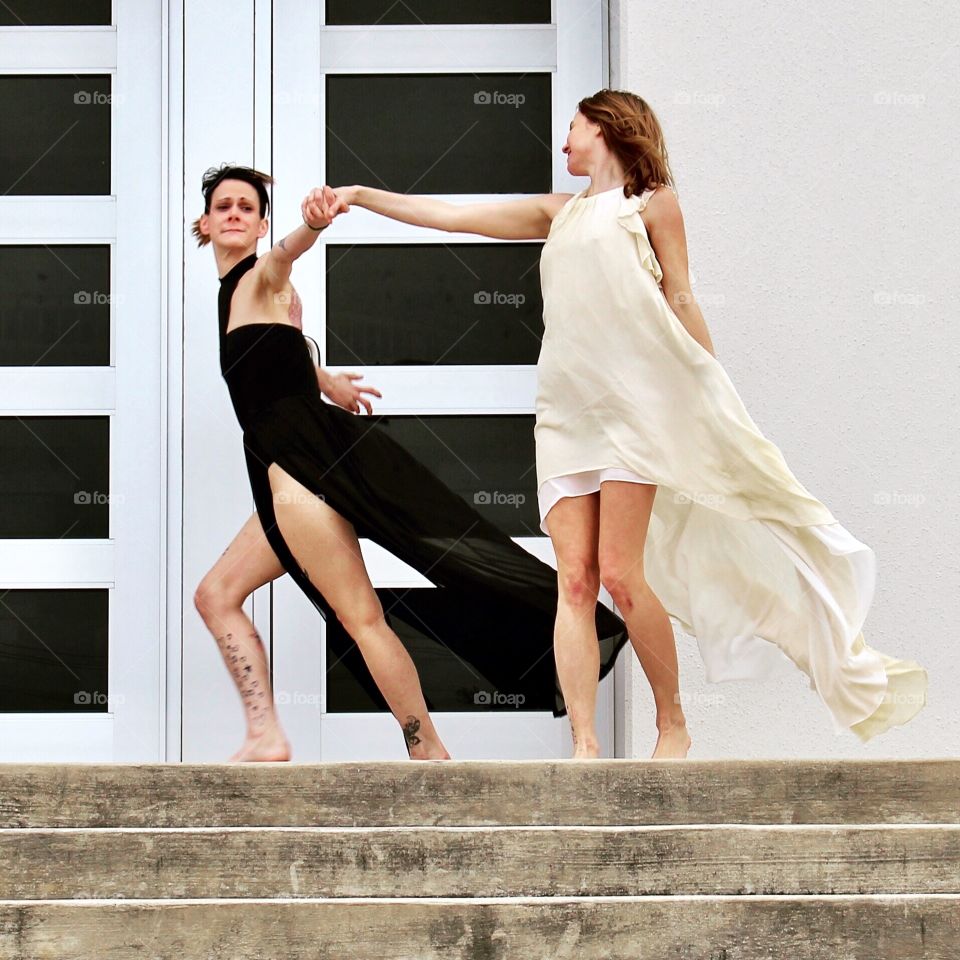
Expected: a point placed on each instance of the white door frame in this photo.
(298, 105)
(129, 564)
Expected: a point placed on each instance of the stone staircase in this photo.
(477, 860)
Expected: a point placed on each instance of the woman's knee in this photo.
(216, 595)
(363, 619)
(579, 581)
(623, 579)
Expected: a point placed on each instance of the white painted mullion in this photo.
(262, 159)
(298, 110)
(580, 38)
(136, 652)
(54, 391)
(455, 48)
(56, 563)
(217, 127)
(51, 50)
(30, 219)
(172, 378)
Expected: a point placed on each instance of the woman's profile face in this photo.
(581, 145)
(234, 220)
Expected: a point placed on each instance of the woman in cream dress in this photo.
(653, 480)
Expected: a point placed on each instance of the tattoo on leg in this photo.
(410, 732)
(241, 672)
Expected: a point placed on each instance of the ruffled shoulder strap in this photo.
(630, 219)
(628, 216)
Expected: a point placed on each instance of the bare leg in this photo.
(326, 548)
(248, 563)
(573, 523)
(624, 518)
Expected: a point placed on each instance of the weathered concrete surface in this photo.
(647, 928)
(478, 862)
(401, 793)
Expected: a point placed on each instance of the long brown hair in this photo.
(230, 171)
(632, 132)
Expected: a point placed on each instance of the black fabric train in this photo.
(494, 604)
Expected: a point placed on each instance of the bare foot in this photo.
(586, 748)
(270, 745)
(419, 748)
(429, 753)
(673, 743)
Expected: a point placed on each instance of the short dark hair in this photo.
(231, 171)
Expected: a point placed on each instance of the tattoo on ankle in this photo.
(241, 671)
(410, 732)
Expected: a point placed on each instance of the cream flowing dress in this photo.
(746, 559)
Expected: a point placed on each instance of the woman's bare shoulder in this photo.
(553, 203)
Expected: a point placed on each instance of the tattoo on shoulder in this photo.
(281, 243)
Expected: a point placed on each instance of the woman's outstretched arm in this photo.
(526, 219)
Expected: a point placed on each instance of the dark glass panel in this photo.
(488, 460)
(53, 651)
(57, 135)
(54, 477)
(476, 303)
(54, 305)
(440, 133)
(381, 12)
(54, 13)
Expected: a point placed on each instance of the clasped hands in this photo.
(322, 205)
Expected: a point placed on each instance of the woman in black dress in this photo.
(321, 478)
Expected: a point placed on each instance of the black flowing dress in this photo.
(494, 603)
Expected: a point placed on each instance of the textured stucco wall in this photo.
(815, 151)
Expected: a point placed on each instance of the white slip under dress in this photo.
(738, 551)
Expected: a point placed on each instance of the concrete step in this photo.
(261, 863)
(552, 928)
(479, 793)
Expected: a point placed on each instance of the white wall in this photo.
(814, 149)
